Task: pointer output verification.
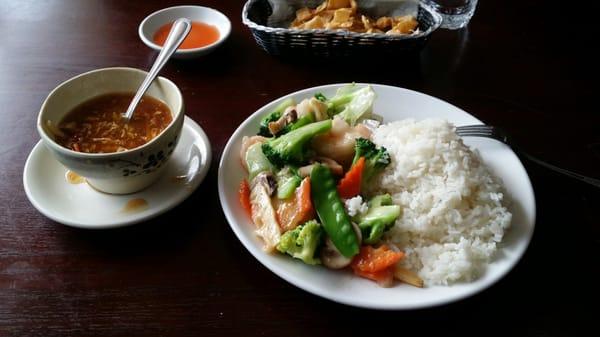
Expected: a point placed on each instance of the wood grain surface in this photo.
(529, 66)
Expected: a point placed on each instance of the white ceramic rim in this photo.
(148, 40)
(307, 286)
(85, 155)
(179, 198)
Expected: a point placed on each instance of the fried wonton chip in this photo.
(343, 14)
(321, 7)
(304, 14)
(366, 22)
(403, 25)
(384, 23)
(337, 4)
(342, 18)
(327, 15)
(315, 23)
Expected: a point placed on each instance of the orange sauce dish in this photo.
(200, 35)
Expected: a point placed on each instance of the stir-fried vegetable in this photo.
(349, 186)
(291, 148)
(376, 264)
(256, 162)
(408, 276)
(264, 216)
(321, 97)
(377, 158)
(379, 217)
(331, 211)
(287, 181)
(302, 242)
(244, 196)
(296, 210)
(274, 116)
(294, 199)
(352, 103)
(342, 97)
(300, 122)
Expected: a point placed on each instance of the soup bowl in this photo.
(116, 172)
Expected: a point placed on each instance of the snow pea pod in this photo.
(331, 211)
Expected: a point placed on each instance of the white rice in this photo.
(453, 209)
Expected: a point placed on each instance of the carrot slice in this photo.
(373, 260)
(296, 210)
(349, 186)
(383, 277)
(244, 196)
(304, 199)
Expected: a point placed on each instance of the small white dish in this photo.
(79, 205)
(392, 103)
(207, 15)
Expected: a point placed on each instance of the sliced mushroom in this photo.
(267, 180)
(289, 116)
(331, 256)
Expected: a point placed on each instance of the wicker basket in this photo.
(324, 43)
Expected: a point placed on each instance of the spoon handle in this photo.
(179, 30)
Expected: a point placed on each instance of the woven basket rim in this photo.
(437, 21)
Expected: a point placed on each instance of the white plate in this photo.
(79, 205)
(341, 286)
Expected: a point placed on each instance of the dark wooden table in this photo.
(527, 66)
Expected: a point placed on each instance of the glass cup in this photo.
(456, 13)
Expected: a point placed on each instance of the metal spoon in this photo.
(179, 30)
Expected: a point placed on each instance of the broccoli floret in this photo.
(352, 103)
(302, 242)
(376, 159)
(321, 97)
(273, 117)
(298, 123)
(380, 200)
(379, 217)
(292, 148)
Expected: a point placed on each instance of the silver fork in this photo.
(499, 134)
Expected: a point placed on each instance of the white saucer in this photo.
(79, 205)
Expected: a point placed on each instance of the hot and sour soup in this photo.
(97, 125)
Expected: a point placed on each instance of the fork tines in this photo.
(475, 130)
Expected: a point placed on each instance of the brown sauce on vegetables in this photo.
(97, 126)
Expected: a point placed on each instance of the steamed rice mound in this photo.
(453, 209)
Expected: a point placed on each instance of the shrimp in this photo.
(338, 143)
